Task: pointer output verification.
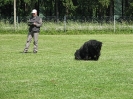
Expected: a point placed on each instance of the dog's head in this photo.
(77, 55)
(98, 46)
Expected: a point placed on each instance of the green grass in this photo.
(70, 27)
(53, 73)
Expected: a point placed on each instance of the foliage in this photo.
(57, 8)
(71, 28)
(104, 3)
(130, 9)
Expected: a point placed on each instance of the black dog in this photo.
(89, 51)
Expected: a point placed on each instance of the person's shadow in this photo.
(25, 53)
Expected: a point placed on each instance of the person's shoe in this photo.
(34, 51)
(25, 51)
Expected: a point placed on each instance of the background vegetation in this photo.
(91, 8)
(81, 16)
(70, 28)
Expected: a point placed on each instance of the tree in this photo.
(128, 8)
(91, 8)
(6, 7)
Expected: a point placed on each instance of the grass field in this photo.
(53, 73)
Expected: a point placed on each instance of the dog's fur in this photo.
(89, 51)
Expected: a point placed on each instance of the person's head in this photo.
(34, 12)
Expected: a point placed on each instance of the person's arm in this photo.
(30, 23)
(39, 24)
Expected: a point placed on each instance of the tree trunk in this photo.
(111, 8)
(57, 10)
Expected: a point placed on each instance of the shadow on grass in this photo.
(26, 52)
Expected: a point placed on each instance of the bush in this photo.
(71, 28)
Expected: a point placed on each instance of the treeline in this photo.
(92, 8)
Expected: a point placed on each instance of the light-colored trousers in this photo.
(32, 35)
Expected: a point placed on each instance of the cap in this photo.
(34, 11)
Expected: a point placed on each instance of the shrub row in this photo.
(69, 32)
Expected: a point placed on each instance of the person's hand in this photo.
(34, 23)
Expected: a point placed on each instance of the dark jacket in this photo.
(35, 28)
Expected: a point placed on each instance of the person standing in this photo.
(34, 23)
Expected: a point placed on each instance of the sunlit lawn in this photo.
(53, 73)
